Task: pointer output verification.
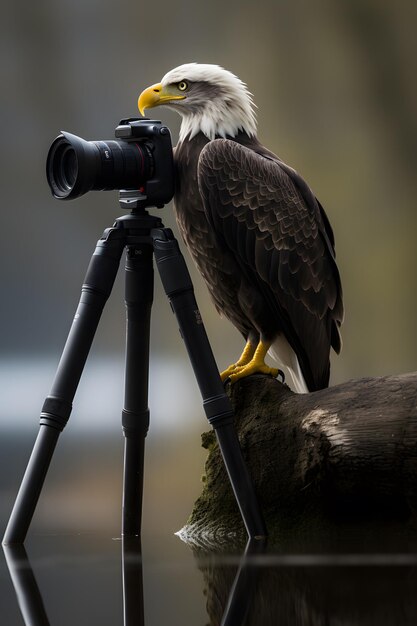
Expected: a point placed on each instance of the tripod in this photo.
(144, 236)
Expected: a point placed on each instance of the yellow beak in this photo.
(155, 95)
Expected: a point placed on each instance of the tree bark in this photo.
(334, 458)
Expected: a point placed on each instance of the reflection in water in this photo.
(25, 585)
(34, 613)
(266, 590)
(30, 600)
(313, 590)
(133, 607)
(241, 593)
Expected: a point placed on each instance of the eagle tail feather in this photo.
(285, 356)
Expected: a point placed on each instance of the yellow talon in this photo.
(227, 372)
(252, 361)
(244, 359)
(253, 368)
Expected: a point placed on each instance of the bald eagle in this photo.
(259, 237)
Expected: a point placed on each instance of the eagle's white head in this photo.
(209, 98)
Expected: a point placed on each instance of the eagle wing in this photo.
(266, 216)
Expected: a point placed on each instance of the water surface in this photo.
(76, 571)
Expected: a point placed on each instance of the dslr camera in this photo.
(140, 160)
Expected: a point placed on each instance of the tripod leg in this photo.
(179, 289)
(57, 406)
(135, 417)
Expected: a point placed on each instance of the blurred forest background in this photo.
(336, 90)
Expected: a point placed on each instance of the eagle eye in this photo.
(183, 85)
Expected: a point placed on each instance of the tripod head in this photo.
(135, 201)
(139, 163)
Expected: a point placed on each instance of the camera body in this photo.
(156, 138)
(139, 163)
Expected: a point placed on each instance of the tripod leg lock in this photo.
(218, 410)
(135, 424)
(171, 264)
(55, 412)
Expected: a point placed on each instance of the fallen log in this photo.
(342, 455)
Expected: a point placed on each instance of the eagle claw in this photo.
(234, 372)
(251, 362)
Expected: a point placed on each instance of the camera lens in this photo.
(75, 166)
(61, 167)
(69, 167)
(64, 168)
